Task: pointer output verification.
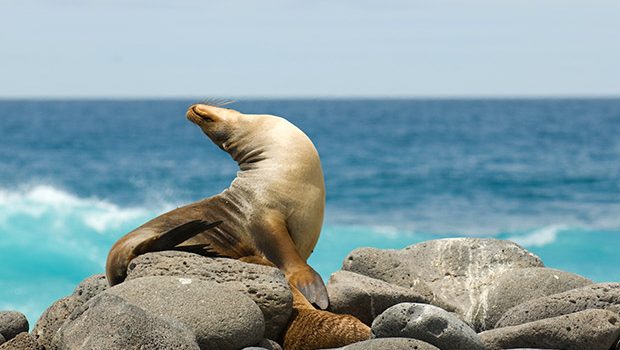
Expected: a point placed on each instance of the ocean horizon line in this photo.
(130, 98)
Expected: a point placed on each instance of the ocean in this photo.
(76, 175)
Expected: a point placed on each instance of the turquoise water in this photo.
(77, 175)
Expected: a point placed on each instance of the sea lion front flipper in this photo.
(277, 246)
(299, 298)
(311, 285)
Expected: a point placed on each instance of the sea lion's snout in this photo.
(201, 114)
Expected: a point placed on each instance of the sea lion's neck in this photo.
(248, 153)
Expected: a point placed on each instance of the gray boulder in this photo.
(596, 296)
(265, 285)
(514, 287)
(220, 317)
(457, 270)
(391, 344)
(53, 318)
(269, 345)
(90, 287)
(589, 329)
(22, 341)
(12, 323)
(110, 322)
(366, 298)
(427, 323)
(2, 340)
(265, 344)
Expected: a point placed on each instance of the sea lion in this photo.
(272, 209)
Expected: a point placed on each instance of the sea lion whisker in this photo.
(217, 102)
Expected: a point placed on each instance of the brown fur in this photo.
(310, 329)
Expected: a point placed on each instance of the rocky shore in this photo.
(449, 294)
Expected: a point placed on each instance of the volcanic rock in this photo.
(220, 317)
(427, 323)
(366, 298)
(589, 329)
(265, 285)
(516, 286)
(457, 270)
(595, 296)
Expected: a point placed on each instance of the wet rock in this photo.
(596, 296)
(589, 329)
(22, 341)
(110, 322)
(514, 287)
(366, 298)
(53, 318)
(90, 287)
(220, 317)
(427, 323)
(456, 270)
(265, 285)
(391, 344)
(12, 323)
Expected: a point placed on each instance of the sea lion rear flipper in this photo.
(175, 236)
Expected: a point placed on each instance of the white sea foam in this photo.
(63, 207)
(539, 238)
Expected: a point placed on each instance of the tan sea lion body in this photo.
(273, 208)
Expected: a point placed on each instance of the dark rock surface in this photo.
(110, 322)
(514, 287)
(12, 323)
(265, 285)
(53, 318)
(220, 317)
(2, 340)
(390, 344)
(427, 323)
(456, 270)
(23, 341)
(365, 297)
(589, 329)
(596, 296)
(90, 287)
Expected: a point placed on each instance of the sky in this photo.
(312, 48)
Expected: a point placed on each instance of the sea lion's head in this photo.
(249, 137)
(243, 136)
(219, 124)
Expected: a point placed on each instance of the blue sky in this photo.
(252, 48)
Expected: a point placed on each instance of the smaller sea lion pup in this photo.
(273, 209)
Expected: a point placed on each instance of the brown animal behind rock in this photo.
(311, 329)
